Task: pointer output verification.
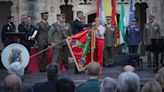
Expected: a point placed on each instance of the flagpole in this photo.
(93, 41)
(47, 48)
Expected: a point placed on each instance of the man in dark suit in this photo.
(42, 39)
(92, 84)
(26, 27)
(78, 25)
(9, 27)
(50, 85)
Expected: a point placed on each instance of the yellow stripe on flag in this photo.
(107, 9)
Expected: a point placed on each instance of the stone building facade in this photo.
(70, 7)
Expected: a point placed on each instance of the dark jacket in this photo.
(91, 85)
(78, 26)
(48, 86)
(133, 36)
(4, 36)
(28, 29)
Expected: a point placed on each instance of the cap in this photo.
(60, 15)
(10, 17)
(151, 16)
(44, 13)
(108, 17)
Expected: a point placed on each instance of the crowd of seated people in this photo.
(128, 81)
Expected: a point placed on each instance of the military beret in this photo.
(151, 16)
(61, 15)
(43, 13)
(10, 17)
(108, 17)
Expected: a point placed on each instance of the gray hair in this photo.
(16, 68)
(129, 82)
(109, 85)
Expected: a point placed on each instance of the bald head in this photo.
(129, 68)
(12, 83)
(93, 69)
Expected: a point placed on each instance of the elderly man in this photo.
(129, 82)
(109, 85)
(92, 84)
(50, 85)
(28, 29)
(12, 83)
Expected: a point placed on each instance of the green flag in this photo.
(121, 26)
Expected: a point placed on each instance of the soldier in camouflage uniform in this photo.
(67, 33)
(110, 42)
(56, 34)
(151, 31)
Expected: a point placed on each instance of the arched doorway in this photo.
(67, 10)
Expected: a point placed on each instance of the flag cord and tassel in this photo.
(47, 48)
(93, 41)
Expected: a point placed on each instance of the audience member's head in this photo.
(129, 82)
(16, 68)
(160, 77)
(151, 86)
(65, 85)
(93, 69)
(129, 68)
(52, 72)
(12, 83)
(109, 85)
